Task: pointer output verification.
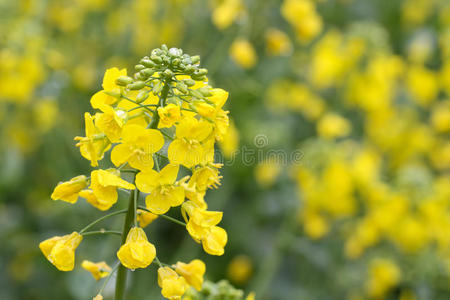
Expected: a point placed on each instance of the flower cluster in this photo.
(165, 114)
(377, 163)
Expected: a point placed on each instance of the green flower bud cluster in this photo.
(171, 67)
(168, 63)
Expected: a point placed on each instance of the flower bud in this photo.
(195, 59)
(189, 82)
(205, 91)
(124, 80)
(139, 67)
(202, 72)
(176, 62)
(147, 72)
(156, 59)
(182, 87)
(147, 62)
(136, 85)
(142, 96)
(157, 88)
(190, 69)
(168, 73)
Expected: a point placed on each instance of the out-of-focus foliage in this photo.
(340, 188)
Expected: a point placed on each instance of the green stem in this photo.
(164, 93)
(108, 278)
(101, 219)
(165, 217)
(101, 232)
(122, 272)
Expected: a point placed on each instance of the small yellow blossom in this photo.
(137, 252)
(168, 115)
(172, 285)
(202, 227)
(226, 13)
(109, 80)
(104, 184)
(94, 145)
(332, 126)
(137, 147)
(60, 250)
(98, 270)
(240, 269)
(243, 53)
(98, 297)
(277, 42)
(111, 122)
(383, 275)
(187, 148)
(68, 191)
(145, 218)
(205, 177)
(193, 272)
(163, 193)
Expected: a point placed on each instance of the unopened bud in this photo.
(123, 80)
(195, 59)
(142, 96)
(136, 85)
(139, 67)
(147, 72)
(189, 82)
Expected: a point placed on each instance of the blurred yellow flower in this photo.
(98, 270)
(332, 126)
(240, 269)
(243, 53)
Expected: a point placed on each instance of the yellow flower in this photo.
(94, 145)
(225, 14)
(267, 171)
(145, 218)
(68, 191)
(193, 272)
(137, 252)
(243, 53)
(302, 15)
(98, 297)
(383, 275)
(187, 149)
(60, 250)
(138, 146)
(110, 122)
(172, 285)
(240, 269)
(251, 296)
(230, 141)
(100, 100)
(168, 115)
(332, 126)
(423, 85)
(104, 184)
(98, 270)
(201, 227)
(205, 177)
(109, 80)
(163, 193)
(440, 118)
(277, 42)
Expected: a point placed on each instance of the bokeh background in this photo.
(336, 181)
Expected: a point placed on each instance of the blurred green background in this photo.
(336, 181)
